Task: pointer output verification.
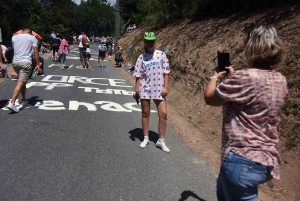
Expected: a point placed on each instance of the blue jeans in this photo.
(63, 58)
(239, 178)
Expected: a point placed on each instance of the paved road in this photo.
(80, 139)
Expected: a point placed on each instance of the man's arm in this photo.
(37, 58)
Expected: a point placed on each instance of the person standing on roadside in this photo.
(252, 99)
(82, 40)
(23, 45)
(52, 36)
(55, 47)
(63, 51)
(88, 56)
(102, 50)
(3, 69)
(152, 78)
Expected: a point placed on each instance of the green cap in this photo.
(149, 36)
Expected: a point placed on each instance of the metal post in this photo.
(117, 23)
(0, 35)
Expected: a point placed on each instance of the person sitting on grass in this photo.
(119, 58)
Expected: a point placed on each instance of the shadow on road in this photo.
(137, 133)
(186, 194)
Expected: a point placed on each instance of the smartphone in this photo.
(223, 61)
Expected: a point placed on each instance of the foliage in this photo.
(95, 17)
(167, 11)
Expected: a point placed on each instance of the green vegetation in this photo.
(61, 16)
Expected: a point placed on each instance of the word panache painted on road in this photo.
(74, 105)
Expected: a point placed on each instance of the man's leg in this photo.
(81, 56)
(23, 93)
(23, 70)
(17, 90)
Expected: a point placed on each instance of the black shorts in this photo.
(119, 59)
(88, 56)
(55, 48)
(102, 54)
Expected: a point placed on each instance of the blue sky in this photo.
(112, 2)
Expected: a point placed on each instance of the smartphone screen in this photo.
(223, 61)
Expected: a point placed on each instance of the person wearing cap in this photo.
(152, 77)
(82, 39)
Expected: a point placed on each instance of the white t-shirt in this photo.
(22, 44)
(88, 50)
(80, 38)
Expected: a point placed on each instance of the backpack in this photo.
(102, 48)
(56, 42)
(84, 41)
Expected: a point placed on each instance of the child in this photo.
(63, 51)
(152, 78)
(88, 56)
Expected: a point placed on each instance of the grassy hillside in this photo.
(192, 46)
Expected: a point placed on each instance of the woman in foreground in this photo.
(252, 99)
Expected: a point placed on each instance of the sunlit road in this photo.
(79, 140)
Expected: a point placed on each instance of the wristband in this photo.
(213, 77)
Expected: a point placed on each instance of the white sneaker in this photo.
(161, 144)
(144, 143)
(12, 107)
(24, 105)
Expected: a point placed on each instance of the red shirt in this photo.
(250, 117)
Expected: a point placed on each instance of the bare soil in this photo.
(191, 47)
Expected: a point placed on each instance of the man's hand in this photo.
(37, 68)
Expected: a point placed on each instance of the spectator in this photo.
(119, 58)
(109, 47)
(252, 99)
(74, 39)
(102, 50)
(88, 56)
(82, 40)
(55, 47)
(52, 36)
(43, 48)
(63, 51)
(4, 50)
(152, 78)
(22, 64)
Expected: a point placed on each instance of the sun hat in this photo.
(149, 36)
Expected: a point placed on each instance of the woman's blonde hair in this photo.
(264, 48)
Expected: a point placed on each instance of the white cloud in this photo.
(112, 2)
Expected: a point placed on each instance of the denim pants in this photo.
(239, 178)
(63, 58)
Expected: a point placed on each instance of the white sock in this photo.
(146, 137)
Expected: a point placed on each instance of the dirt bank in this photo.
(191, 47)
